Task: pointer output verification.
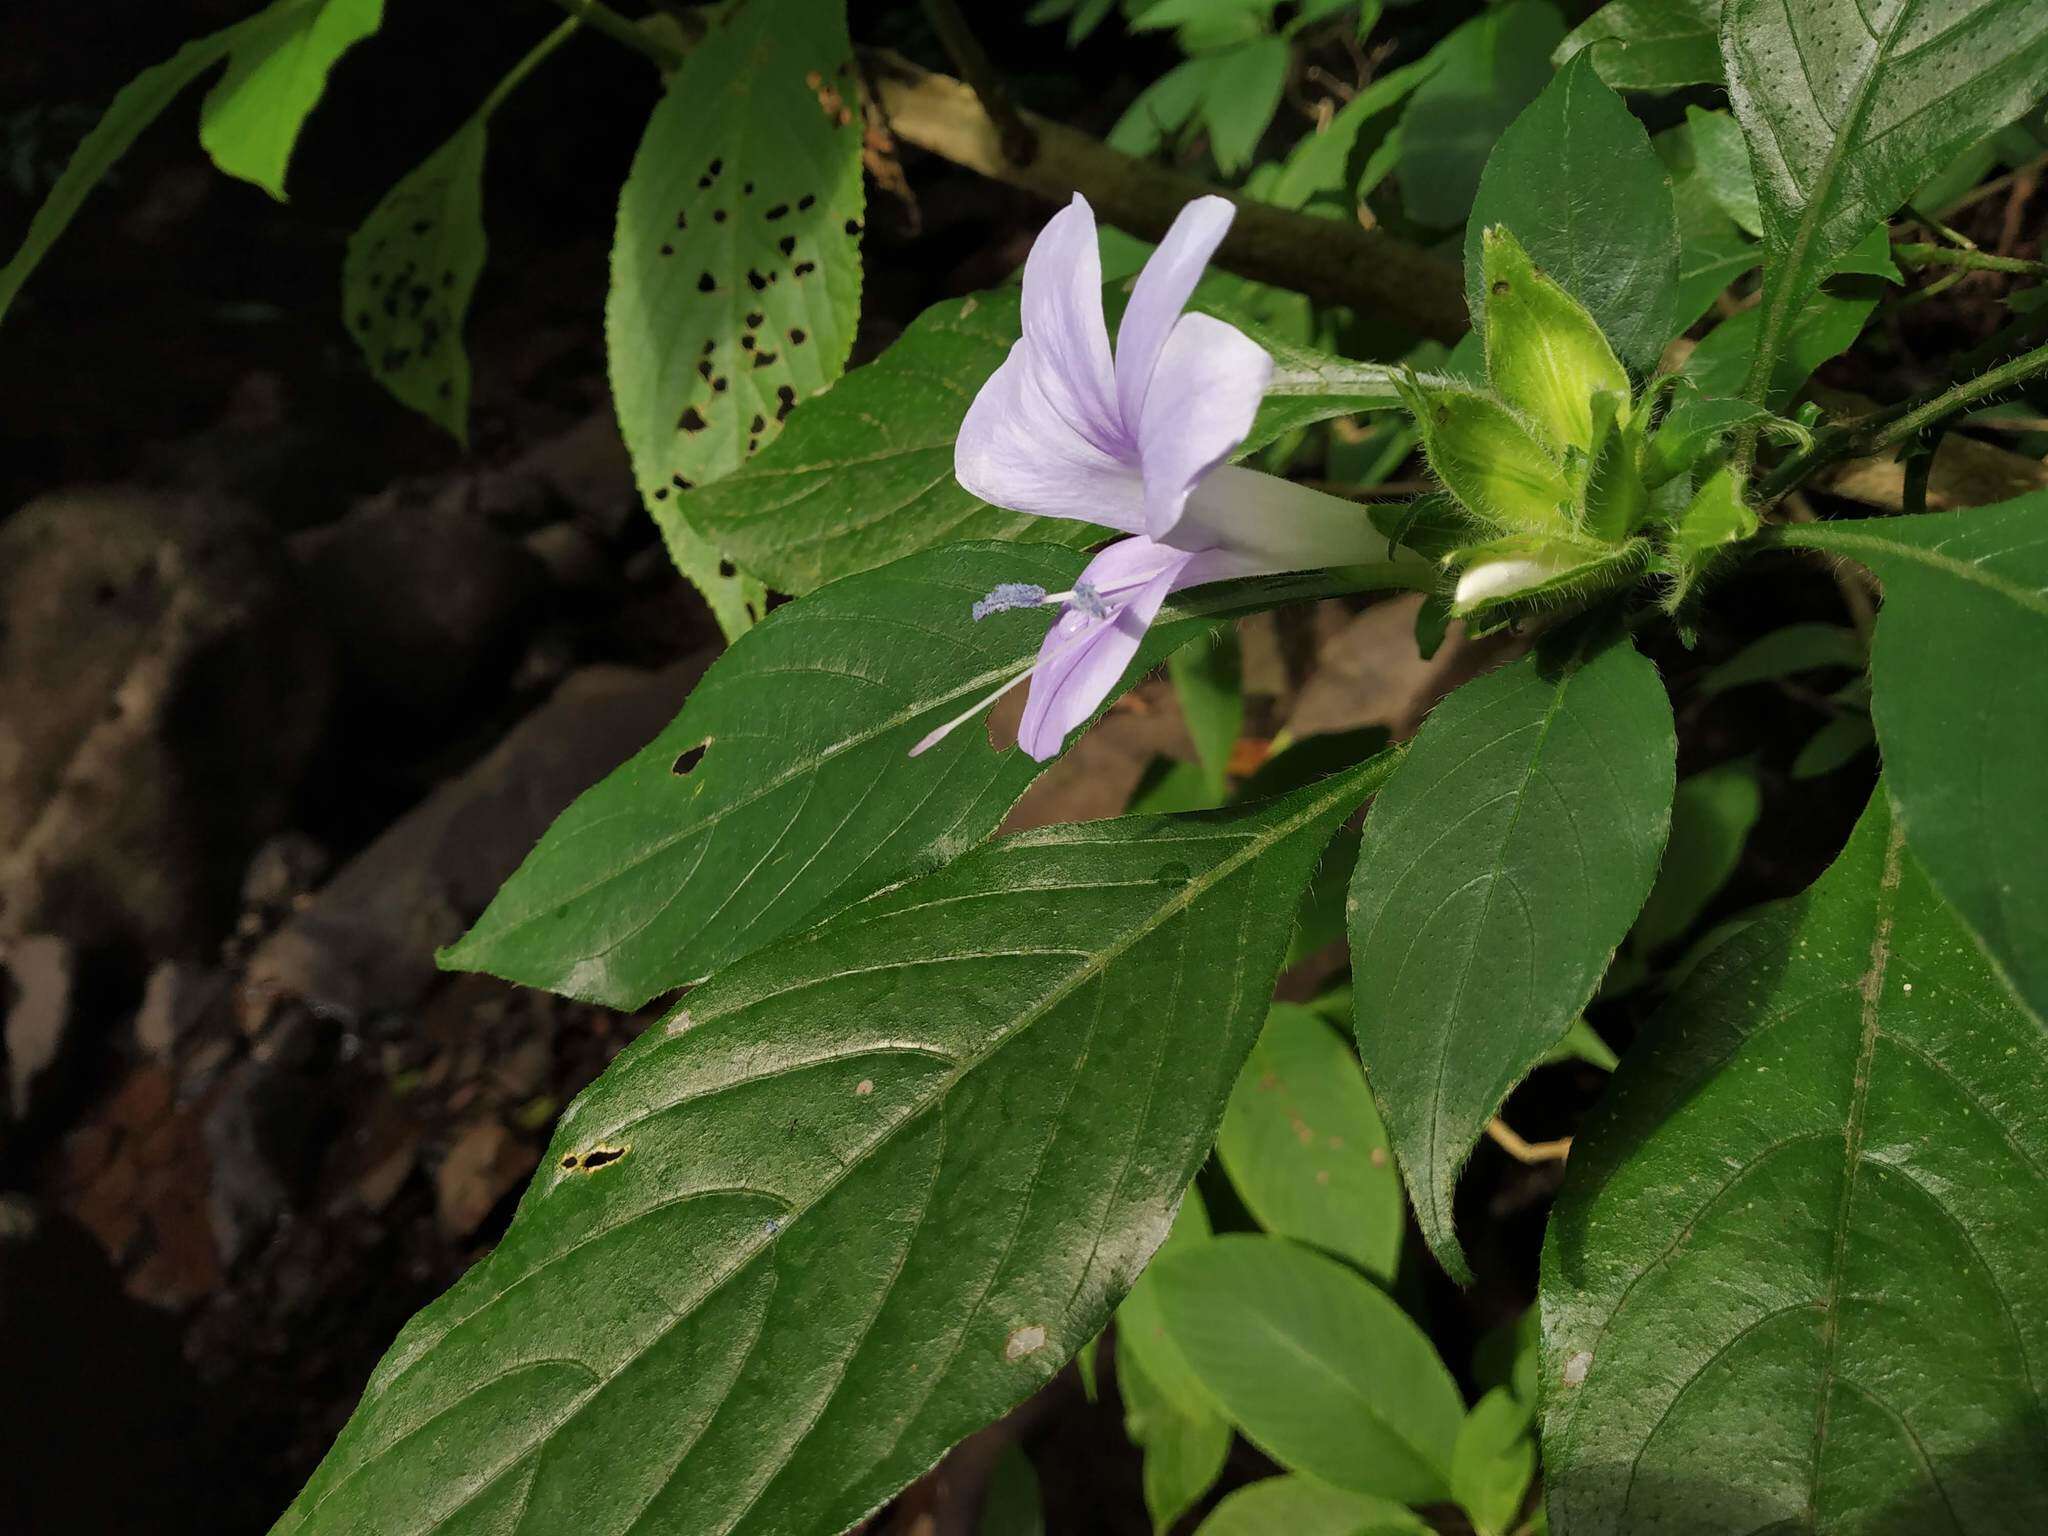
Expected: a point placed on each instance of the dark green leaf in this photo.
(1651, 45)
(736, 261)
(1305, 1149)
(134, 108)
(1848, 107)
(1242, 93)
(784, 789)
(1959, 672)
(1707, 264)
(1141, 1331)
(1010, 1504)
(1317, 1366)
(1304, 761)
(1503, 863)
(1794, 1282)
(1711, 814)
(1783, 652)
(1301, 1506)
(1826, 327)
(1491, 68)
(251, 119)
(1722, 165)
(1835, 745)
(1574, 177)
(869, 1190)
(1208, 679)
(409, 274)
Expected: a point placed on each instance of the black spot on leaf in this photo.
(706, 283)
(718, 215)
(797, 336)
(804, 269)
(755, 280)
(787, 245)
(805, 203)
(755, 317)
(718, 384)
(728, 570)
(692, 420)
(780, 210)
(764, 359)
(760, 421)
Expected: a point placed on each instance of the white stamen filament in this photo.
(967, 714)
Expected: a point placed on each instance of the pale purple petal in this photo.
(1082, 657)
(1210, 381)
(1020, 450)
(1066, 341)
(1161, 293)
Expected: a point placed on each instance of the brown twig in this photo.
(1530, 1152)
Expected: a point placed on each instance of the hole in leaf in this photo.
(804, 268)
(718, 215)
(797, 337)
(728, 570)
(805, 203)
(787, 245)
(760, 421)
(756, 280)
(780, 210)
(764, 359)
(695, 755)
(718, 384)
(692, 420)
(706, 283)
(755, 317)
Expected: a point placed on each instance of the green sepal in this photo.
(1698, 427)
(1716, 517)
(1489, 459)
(1433, 526)
(1545, 356)
(1615, 502)
(1524, 573)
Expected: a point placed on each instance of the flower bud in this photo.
(1489, 459)
(1524, 571)
(1545, 356)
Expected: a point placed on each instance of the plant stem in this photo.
(526, 66)
(1976, 261)
(602, 18)
(1895, 424)
(1020, 144)
(1332, 261)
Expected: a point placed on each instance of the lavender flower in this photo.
(1137, 443)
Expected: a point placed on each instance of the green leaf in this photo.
(1301, 1506)
(803, 796)
(1580, 1042)
(1493, 1462)
(1504, 862)
(1711, 816)
(1239, 98)
(736, 261)
(1576, 180)
(1722, 165)
(1826, 327)
(1491, 68)
(1809, 647)
(1010, 1504)
(1317, 1366)
(1183, 1452)
(134, 108)
(251, 119)
(1959, 672)
(410, 271)
(1141, 1331)
(864, 473)
(1208, 679)
(1162, 109)
(1707, 264)
(1304, 1146)
(1507, 1356)
(1848, 107)
(1651, 45)
(866, 1192)
(1835, 745)
(1320, 163)
(1793, 1281)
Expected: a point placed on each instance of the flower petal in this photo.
(1273, 525)
(1162, 292)
(1064, 331)
(1021, 450)
(1210, 381)
(1083, 657)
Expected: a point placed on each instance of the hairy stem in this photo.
(1896, 424)
(1911, 255)
(1330, 260)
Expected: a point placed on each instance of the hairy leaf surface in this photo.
(1959, 677)
(867, 1191)
(1505, 861)
(1794, 1279)
(1651, 45)
(1848, 105)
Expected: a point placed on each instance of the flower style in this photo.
(1136, 443)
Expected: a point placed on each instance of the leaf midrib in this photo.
(1353, 784)
(1823, 536)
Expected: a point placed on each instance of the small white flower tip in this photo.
(1500, 578)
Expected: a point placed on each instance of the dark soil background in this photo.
(288, 683)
